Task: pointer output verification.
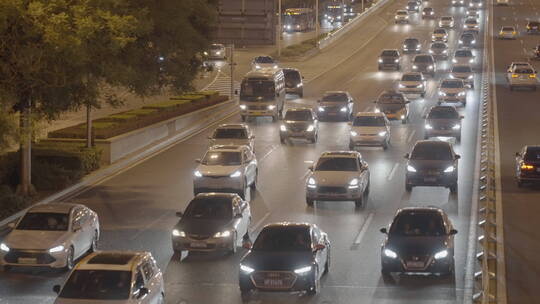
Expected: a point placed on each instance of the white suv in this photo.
(452, 90)
(463, 56)
(226, 169)
(370, 129)
(51, 235)
(413, 83)
(114, 277)
(446, 21)
(522, 77)
(233, 134)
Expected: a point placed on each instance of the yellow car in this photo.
(394, 104)
(507, 32)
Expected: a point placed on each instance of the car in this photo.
(463, 72)
(473, 10)
(528, 165)
(425, 64)
(446, 21)
(439, 50)
(119, 277)
(419, 240)
(508, 32)
(335, 104)
(467, 41)
(521, 64)
(522, 77)
(474, 14)
(212, 222)
(369, 129)
(452, 91)
(394, 105)
(470, 23)
(502, 2)
(432, 163)
(439, 34)
(536, 52)
(471, 31)
(413, 83)
(294, 82)
(285, 256)
(299, 122)
(338, 176)
(264, 62)
(443, 121)
(389, 58)
(458, 2)
(226, 169)
(411, 45)
(463, 56)
(233, 134)
(413, 6)
(216, 51)
(402, 16)
(428, 13)
(476, 3)
(533, 27)
(51, 235)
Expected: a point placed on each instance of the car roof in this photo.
(289, 224)
(432, 143)
(233, 126)
(216, 195)
(341, 154)
(112, 260)
(53, 208)
(433, 210)
(377, 114)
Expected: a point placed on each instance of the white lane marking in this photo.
(268, 153)
(363, 230)
(410, 137)
(366, 109)
(260, 222)
(392, 172)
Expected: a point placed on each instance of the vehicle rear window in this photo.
(220, 158)
(411, 40)
(209, 209)
(446, 18)
(391, 98)
(418, 224)
(411, 77)
(298, 116)
(264, 59)
(283, 239)
(532, 154)
(402, 13)
(337, 164)
(461, 69)
(230, 133)
(292, 75)
(438, 46)
(216, 47)
(523, 71)
(467, 36)
(471, 21)
(430, 151)
(369, 121)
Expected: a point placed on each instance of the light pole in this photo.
(317, 21)
(279, 30)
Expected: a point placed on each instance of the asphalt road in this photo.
(518, 121)
(137, 206)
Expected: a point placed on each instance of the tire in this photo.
(351, 146)
(426, 136)
(243, 117)
(328, 261)
(404, 121)
(301, 95)
(520, 183)
(385, 146)
(275, 118)
(70, 260)
(423, 95)
(358, 202)
(316, 284)
(458, 138)
(310, 202)
(386, 275)
(282, 139)
(454, 188)
(93, 246)
(408, 187)
(313, 139)
(161, 299)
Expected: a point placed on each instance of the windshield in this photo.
(443, 113)
(423, 59)
(452, 84)
(230, 133)
(337, 164)
(97, 285)
(257, 88)
(217, 158)
(292, 75)
(429, 151)
(44, 221)
(508, 29)
(411, 77)
(216, 47)
(438, 46)
(463, 53)
(532, 154)
(298, 116)
(417, 224)
(402, 13)
(369, 121)
(471, 21)
(439, 31)
(264, 59)
(209, 209)
(339, 97)
(467, 36)
(523, 71)
(283, 239)
(446, 18)
(391, 99)
(389, 53)
(461, 69)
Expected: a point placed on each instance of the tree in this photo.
(56, 55)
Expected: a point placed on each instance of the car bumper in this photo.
(333, 114)
(396, 116)
(523, 83)
(430, 265)
(342, 194)
(289, 282)
(206, 245)
(298, 134)
(393, 65)
(443, 133)
(297, 91)
(442, 179)
(259, 113)
(507, 37)
(368, 140)
(452, 99)
(220, 184)
(401, 20)
(34, 258)
(415, 90)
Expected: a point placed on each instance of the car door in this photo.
(320, 255)
(251, 164)
(136, 292)
(364, 173)
(151, 282)
(238, 218)
(78, 233)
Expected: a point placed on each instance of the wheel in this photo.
(458, 138)
(310, 202)
(386, 275)
(301, 95)
(351, 146)
(254, 183)
(327, 264)
(243, 117)
(408, 187)
(404, 121)
(282, 139)
(245, 293)
(520, 183)
(275, 118)
(358, 202)
(313, 139)
(385, 145)
(7, 268)
(426, 136)
(454, 188)
(316, 284)
(398, 67)
(69, 259)
(464, 103)
(423, 95)
(234, 242)
(161, 299)
(93, 246)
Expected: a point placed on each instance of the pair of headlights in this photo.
(5, 248)
(236, 173)
(381, 134)
(439, 255)
(447, 170)
(221, 234)
(301, 271)
(310, 128)
(312, 183)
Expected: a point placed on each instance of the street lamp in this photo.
(280, 30)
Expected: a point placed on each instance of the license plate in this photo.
(430, 179)
(27, 260)
(273, 282)
(332, 113)
(198, 245)
(415, 264)
(257, 113)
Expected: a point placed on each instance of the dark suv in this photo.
(419, 239)
(533, 27)
(411, 45)
(293, 82)
(424, 64)
(299, 123)
(336, 104)
(528, 165)
(432, 163)
(389, 59)
(443, 121)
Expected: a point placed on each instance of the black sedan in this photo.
(419, 240)
(528, 165)
(285, 257)
(443, 121)
(411, 45)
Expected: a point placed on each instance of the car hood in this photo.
(217, 170)
(332, 104)
(230, 141)
(368, 130)
(440, 122)
(416, 245)
(204, 227)
(34, 239)
(452, 90)
(333, 178)
(410, 83)
(264, 260)
(430, 164)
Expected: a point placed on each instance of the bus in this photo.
(334, 11)
(298, 20)
(262, 93)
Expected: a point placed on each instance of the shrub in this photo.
(69, 156)
(11, 203)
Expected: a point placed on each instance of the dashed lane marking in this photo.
(392, 172)
(363, 230)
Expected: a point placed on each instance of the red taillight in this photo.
(526, 167)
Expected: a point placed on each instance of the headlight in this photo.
(402, 117)
(321, 109)
(283, 128)
(473, 42)
(377, 110)
(56, 249)
(454, 60)
(460, 41)
(271, 107)
(445, 51)
(339, 17)
(411, 168)
(303, 270)
(441, 254)
(353, 183)
(389, 253)
(246, 269)
(456, 127)
(299, 85)
(415, 67)
(428, 127)
(311, 183)
(452, 76)
(4, 247)
(243, 107)
(218, 53)
(197, 173)
(430, 67)
(404, 46)
(310, 128)
(223, 234)
(382, 133)
(431, 51)
(205, 53)
(449, 169)
(401, 86)
(236, 174)
(442, 93)
(178, 233)
(257, 66)
(461, 94)
(354, 133)
(344, 109)
(465, 26)
(380, 60)
(275, 66)
(470, 77)
(396, 61)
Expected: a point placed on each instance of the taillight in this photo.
(532, 75)
(514, 75)
(526, 167)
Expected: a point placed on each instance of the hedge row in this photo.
(120, 123)
(300, 49)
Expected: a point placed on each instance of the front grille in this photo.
(411, 86)
(273, 279)
(327, 189)
(198, 236)
(451, 94)
(417, 262)
(41, 257)
(258, 108)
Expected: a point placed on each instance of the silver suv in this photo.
(299, 123)
(233, 134)
(370, 129)
(413, 83)
(452, 90)
(463, 72)
(425, 64)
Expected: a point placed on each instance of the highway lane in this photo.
(518, 121)
(136, 207)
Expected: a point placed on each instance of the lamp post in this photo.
(280, 29)
(317, 20)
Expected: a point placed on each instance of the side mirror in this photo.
(383, 230)
(198, 160)
(179, 213)
(406, 155)
(517, 154)
(453, 231)
(458, 156)
(143, 291)
(56, 288)
(319, 247)
(247, 245)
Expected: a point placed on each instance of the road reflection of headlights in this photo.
(354, 133)
(246, 269)
(389, 253)
(311, 183)
(302, 270)
(428, 127)
(411, 168)
(283, 128)
(178, 233)
(441, 254)
(456, 127)
(310, 128)
(449, 169)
